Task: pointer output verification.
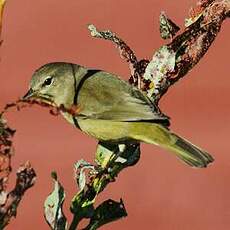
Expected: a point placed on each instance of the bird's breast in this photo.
(105, 130)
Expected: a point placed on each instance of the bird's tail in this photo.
(189, 153)
(186, 151)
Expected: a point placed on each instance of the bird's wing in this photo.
(105, 96)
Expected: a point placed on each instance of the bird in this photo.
(110, 109)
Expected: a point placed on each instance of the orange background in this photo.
(160, 192)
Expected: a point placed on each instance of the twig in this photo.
(53, 109)
(136, 67)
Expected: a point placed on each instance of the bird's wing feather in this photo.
(105, 96)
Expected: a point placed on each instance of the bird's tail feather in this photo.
(186, 151)
(189, 153)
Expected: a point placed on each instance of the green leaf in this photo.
(53, 206)
(81, 207)
(104, 154)
(108, 155)
(105, 213)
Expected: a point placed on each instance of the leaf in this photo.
(53, 206)
(105, 213)
(104, 154)
(81, 207)
(132, 154)
(125, 154)
(167, 27)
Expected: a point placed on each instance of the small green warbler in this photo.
(110, 109)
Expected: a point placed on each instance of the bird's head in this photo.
(53, 84)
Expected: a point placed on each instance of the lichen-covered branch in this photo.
(186, 49)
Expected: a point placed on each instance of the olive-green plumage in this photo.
(109, 109)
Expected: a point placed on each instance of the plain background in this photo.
(160, 192)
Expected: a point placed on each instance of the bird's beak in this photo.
(28, 95)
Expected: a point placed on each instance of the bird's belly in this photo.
(105, 130)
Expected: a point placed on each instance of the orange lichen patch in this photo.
(204, 3)
(201, 5)
(195, 11)
(5, 168)
(217, 12)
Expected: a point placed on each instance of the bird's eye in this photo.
(48, 81)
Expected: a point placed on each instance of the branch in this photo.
(187, 49)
